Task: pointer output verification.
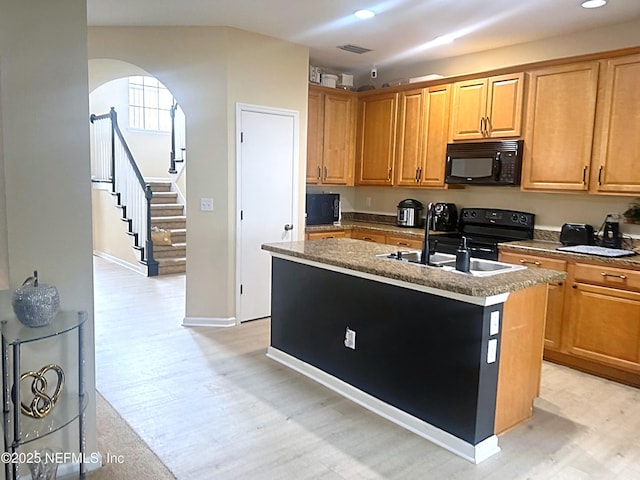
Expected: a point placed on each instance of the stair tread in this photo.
(169, 218)
(172, 261)
(159, 206)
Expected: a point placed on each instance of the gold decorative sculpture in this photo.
(43, 401)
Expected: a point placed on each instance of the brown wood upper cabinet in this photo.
(330, 136)
(422, 135)
(581, 127)
(376, 136)
(617, 140)
(488, 107)
(559, 126)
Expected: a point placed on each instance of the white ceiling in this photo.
(399, 34)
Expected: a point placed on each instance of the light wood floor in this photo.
(212, 406)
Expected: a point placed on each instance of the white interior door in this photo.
(267, 157)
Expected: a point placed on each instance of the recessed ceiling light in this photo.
(593, 3)
(364, 13)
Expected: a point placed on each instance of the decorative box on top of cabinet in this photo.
(20, 429)
(330, 136)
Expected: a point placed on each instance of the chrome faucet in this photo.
(426, 254)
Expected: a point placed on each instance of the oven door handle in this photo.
(481, 249)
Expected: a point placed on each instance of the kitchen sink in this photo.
(478, 267)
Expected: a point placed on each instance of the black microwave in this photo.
(322, 208)
(484, 163)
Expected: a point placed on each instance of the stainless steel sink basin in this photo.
(478, 267)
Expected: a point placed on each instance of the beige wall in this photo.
(596, 40)
(551, 209)
(151, 150)
(4, 254)
(209, 70)
(109, 231)
(43, 56)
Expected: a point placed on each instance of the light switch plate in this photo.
(206, 204)
(494, 325)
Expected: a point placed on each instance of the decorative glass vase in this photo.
(45, 468)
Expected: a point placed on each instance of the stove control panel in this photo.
(506, 218)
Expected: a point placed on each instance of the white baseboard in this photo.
(139, 268)
(472, 453)
(220, 322)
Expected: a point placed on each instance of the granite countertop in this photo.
(380, 227)
(548, 249)
(361, 256)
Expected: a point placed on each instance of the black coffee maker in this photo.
(611, 232)
(445, 217)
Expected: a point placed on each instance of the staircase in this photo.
(168, 214)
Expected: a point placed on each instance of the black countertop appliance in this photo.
(322, 208)
(445, 217)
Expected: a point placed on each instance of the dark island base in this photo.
(420, 354)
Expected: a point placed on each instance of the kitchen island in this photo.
(452, 357)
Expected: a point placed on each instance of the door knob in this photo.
(288, 227)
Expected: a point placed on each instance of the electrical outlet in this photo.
(206, 204)
(367, 201)
(374, 72)
(492, 350)
(350, 339)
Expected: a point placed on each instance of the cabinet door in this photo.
(617, 145)
(559, 127)
(504, 106)
(604, 326)
(315, 129)
(376, 139)
(339, 126)
(469, 107)
(411, 107)
(555, 294)
(436, 127)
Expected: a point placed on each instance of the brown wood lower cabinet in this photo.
(555, 296)
(404, 242)
(368, 236)
(593, 319)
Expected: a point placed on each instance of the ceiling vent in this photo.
(354, 49)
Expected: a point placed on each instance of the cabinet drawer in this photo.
(405, 242)
(368, 236)
(325, 235)
(621, 278)
(533, 261)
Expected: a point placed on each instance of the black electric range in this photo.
(485, 228)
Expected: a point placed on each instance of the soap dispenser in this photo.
(462, 257)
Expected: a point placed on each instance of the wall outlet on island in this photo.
(350, 339)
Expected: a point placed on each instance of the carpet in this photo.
(125, 456)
